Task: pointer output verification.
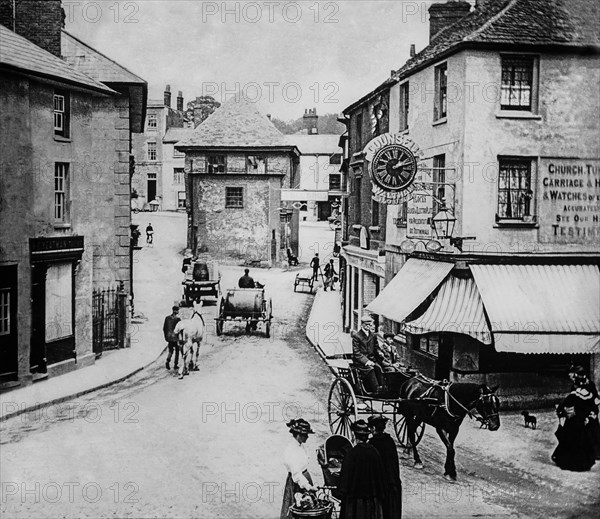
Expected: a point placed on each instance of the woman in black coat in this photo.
(362, 478)
(386, 446)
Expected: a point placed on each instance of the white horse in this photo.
(190, 333)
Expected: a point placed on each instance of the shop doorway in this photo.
(9, 339)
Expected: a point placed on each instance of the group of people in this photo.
(578, 432)
(369, 484)
(330, 275)
(373, 357)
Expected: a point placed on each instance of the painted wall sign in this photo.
(393, 162)
(419, 207)
(569, 202)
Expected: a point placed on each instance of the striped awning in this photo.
(413, 283)
(541, 308)
(457, 308)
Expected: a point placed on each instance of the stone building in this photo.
(504, 108)
(237, 163)
(155, 177)
(64, 183)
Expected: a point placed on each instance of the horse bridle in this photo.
(483, 420)
(199, 315)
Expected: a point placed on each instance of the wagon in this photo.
(201, 280)
(247, 305)
(348, 398)
(304, 282)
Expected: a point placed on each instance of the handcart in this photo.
(304, 282)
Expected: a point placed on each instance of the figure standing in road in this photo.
(295, 460)
(168, 330)
(330, 274)
(149, 235)
(246, 281)
(314, 263)
(362, 479)
(386, 446)
(580, 379)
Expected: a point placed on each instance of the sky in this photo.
(286, 56)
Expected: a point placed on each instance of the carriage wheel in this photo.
(268, 317)
(268, 328)
(219, 327)
(401, 430)
(342, 407)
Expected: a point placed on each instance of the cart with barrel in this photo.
(202, 279)
(348, 398)
(249, 305)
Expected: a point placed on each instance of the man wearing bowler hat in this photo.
(386, 447)
(364, 355)
(362, 479)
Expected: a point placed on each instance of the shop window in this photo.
(234, 197)
(256, 164)
(518, 85)
(61, 114)
(61, 193)
(404, 100)
(178, 175)
(216, 164)
(440, 106)
(152, 151)
(514, 190)
(181, 199)
(59, 301)
(427, 344)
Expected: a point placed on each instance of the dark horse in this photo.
(444, 407)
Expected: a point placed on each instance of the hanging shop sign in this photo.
(569, 207)
(393, 162)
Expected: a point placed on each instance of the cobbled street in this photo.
(210, 445)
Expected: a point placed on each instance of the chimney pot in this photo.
(167, 96)
(180, 101)
(269, 116)
(413, 51)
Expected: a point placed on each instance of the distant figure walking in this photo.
(330, 276)
(246, 281)
(150, 234)
(169, 332)
(314, 263)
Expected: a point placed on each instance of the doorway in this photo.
(151, 187)
(9, 339)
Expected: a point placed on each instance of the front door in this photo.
(9, 342)
(37, 356)
(151, 187)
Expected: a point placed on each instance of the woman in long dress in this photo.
(575, 450)
(392, 502)
(295, 460)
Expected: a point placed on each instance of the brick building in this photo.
(504, 107)
(65, 185)
(237, 163)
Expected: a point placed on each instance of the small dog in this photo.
(530, 420)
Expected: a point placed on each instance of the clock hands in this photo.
(401, 164)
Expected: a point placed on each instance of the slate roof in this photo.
(177, 134)
(21, 54)
(518, 23)
(322, 144)
(93, 63)
(236, 123)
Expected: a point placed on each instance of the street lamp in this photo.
(443, 224)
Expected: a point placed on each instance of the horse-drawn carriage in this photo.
(202, 279)
(247, 305)
(348, 398)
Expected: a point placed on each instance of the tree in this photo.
(200, 108)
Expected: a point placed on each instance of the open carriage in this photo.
(348, 398)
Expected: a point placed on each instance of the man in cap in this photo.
(364, 354)
(386, 447)
(362, 479)
(169, 334)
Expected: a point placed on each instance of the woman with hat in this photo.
(295, 460)
(362, 478)
(385, 445)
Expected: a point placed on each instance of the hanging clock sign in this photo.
(394, 159)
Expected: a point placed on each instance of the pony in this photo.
(190, 333)
(444, 407)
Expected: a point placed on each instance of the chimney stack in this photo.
(413, 51)
(442, 15)
(180, 101)
(168, 96)
(40, 21)
(310, 121)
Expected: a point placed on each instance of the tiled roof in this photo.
(19, 53)
(323, 144)
(93, 63)
(236, 123)
(177, 134)
(521, 23)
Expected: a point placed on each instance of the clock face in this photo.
(394, 167)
